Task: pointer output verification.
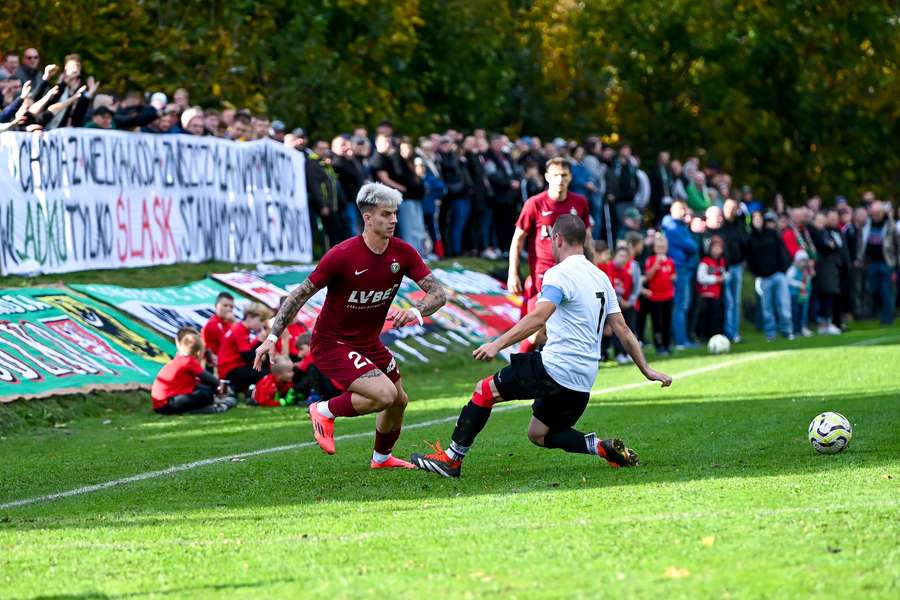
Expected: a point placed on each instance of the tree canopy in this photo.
(794, 96)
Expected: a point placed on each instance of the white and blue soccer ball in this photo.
(830, 433)
(718, 344)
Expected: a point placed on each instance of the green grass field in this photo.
(731, 501)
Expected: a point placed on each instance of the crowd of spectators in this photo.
(814, 265)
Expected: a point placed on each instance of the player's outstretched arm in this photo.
(286, 315)
(632, 346)
(529, 324)
(435, 297)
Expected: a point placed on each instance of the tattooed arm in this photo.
(435, 297)
(286, 315)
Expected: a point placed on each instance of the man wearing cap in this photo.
(101, 118)
(277, 130)
(192, 121)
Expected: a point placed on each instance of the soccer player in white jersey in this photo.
(575, 302)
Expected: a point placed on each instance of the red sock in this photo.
(341, 406)
(384, 442)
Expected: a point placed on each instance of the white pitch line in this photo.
(221, 459)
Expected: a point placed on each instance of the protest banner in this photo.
(74, 199)
(166, 309)
(54, 342)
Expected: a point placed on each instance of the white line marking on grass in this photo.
(222, 459)
(878, 340)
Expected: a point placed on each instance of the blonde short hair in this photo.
(255, 309)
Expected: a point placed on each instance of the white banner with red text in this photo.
(78, 199)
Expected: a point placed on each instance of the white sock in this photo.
(380, 458)
(591, 442)
(322, 407)
(456, 451)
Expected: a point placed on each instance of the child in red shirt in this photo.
(276, 388)
(710, 276)
(622, 279)
(237, 352)
(183, 386)
(214, 330)
(659, 292)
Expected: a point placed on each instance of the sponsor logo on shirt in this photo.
(371, 297)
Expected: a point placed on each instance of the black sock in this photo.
(570, 440)
(472, 419)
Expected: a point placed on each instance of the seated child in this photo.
(276, 388)
(238, 349)
(183, 386)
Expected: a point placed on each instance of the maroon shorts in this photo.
(345, 364)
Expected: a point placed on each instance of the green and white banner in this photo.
(166, 309)
(54, 342)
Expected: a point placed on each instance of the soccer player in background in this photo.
(575, 301)
(537, 217)
(362, 275)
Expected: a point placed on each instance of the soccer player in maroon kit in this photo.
(362, 275)
(537, 218)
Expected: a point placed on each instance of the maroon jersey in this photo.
(536, 219)
(361, 286)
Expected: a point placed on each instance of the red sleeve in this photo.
(416, 268)
(264, 394)
(325, 270)
(241, 336)
(193, 366)
(527, 219)
(211, 336)
(648, 264)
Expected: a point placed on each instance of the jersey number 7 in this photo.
(602, 298)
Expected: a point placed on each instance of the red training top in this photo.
(213, 333)
(662, 284)
(715, 267)
(236, 341)
(176, 378)
(268, 389)
(361, 286)
(537, 217)
(620, 278)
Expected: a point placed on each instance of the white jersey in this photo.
(584, 297)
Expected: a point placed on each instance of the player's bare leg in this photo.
(372, 392)
(571, 440)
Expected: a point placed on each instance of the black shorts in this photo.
(555, 406)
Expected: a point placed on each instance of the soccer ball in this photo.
(718, 344)
(830, 433)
